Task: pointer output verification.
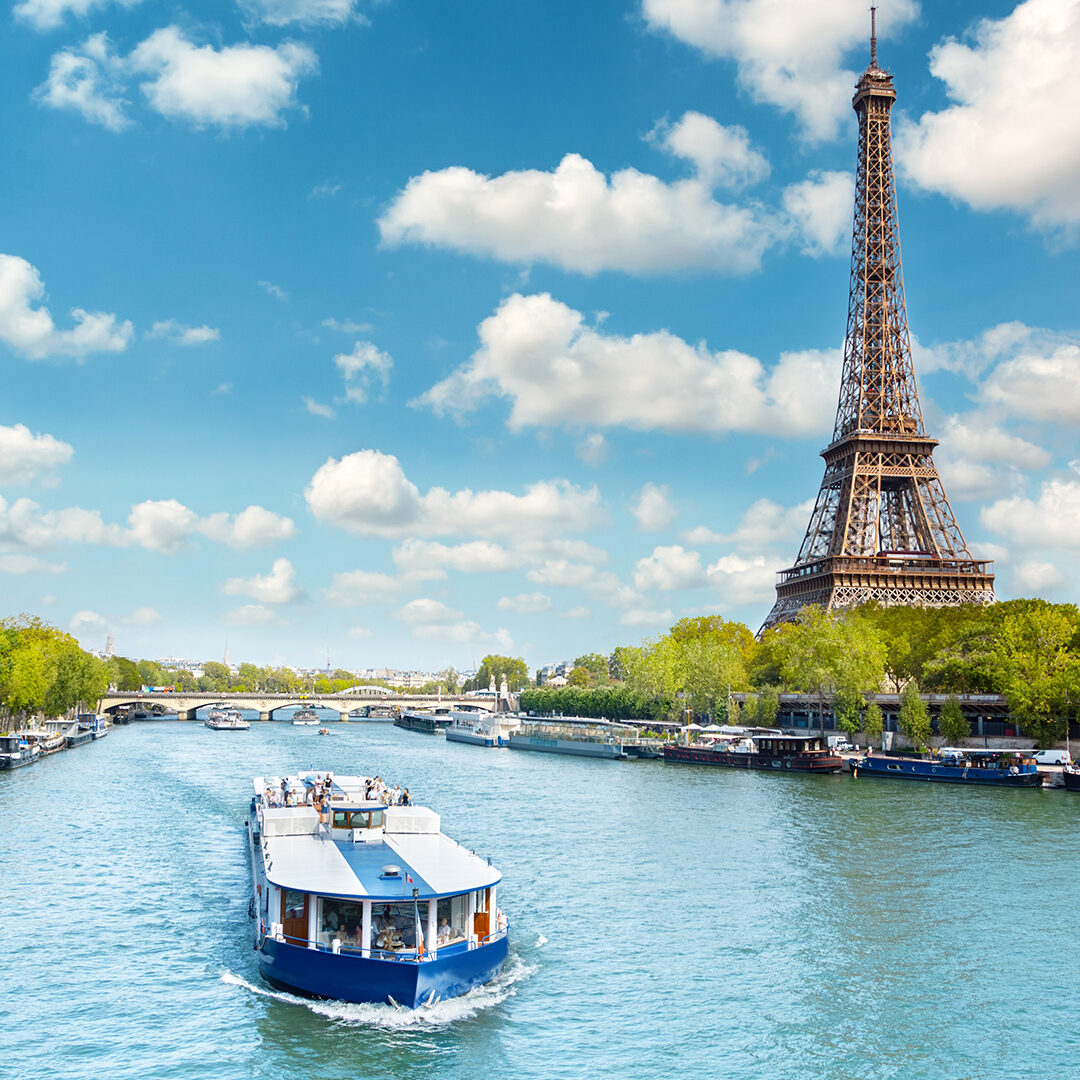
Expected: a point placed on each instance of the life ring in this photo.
(787, 764)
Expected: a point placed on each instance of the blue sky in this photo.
(406, 332)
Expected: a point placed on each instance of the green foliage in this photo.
(913, 720)
(873, 723)
(768, 707)
(952, 725)
(43, 670)
(517, 674)
(848, 704)
(596, 666)
(610, 702)
(578, 676)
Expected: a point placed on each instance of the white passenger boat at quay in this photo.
(477, 729)
(370, 903)
(581, 736)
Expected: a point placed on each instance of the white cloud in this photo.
(276, 291)
(163, 525)
(144, 616)
(669, 568)
(525, 603)
(557, 370)
(645, 617)
(179, 334)
(820, 212)
(977, 459)
(368, 493)
(236, 86)
(326, 190)
(653, 508)
(351, 588)
(29, 564)
(1038, 576)
(763, 523)
(593, 449)
(252, 527)
(87, 620)
(24, 526)
(604, 585)
(474, 557)
(578, 219)
(49, 14)
(787, 55)
(1002, 143)
(722, 156)
(250, 615)
(284, 12)
(1051, 521)
(1038, 384)
(744, 580)
(277, 587)
(347, 326)
(88, 78)
(365, 363)
(577, 613)
(356, 633)
(30, 330)
(317, 408)
(433, 620)
(24, 456)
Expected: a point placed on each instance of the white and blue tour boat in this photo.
(477, 729)
(366, 902)
(16, 751)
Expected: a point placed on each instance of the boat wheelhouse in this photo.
(366, 902)
(984, 768)
(477, 729)
(15, 752)
(227, 720)
(772, 753)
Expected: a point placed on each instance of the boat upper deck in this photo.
(361, 849)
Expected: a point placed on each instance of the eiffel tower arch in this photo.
(882, 528)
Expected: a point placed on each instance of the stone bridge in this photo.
(185, 704)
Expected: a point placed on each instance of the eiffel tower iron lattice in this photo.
(882, 528)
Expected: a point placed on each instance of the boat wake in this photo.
(387, 1017)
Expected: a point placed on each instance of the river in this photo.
(666, 921)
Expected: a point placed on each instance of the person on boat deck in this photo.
(395, 795)
(405, 800)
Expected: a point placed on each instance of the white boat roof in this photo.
(301, 854)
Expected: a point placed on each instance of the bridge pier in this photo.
(343, 716)
(186, 714)
(264, 716)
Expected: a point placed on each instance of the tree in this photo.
(848, 704)
(450, 680)
(517, 674)
(215, 677)
(952, 724)
(873, 723)
(618, 662)
(596, 665)
(578, 676)
(250, 675)
(913, 719)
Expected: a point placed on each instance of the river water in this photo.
(666, 921)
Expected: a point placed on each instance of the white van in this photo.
(1051, 757)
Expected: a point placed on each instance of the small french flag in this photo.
(408, 880)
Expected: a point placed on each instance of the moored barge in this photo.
(364, 902)
(772, 753)
(983, 768)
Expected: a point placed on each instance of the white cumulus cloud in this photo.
(645, 617)
(25, 456)
(669, 568)
(89, 79)
(1002, 143)
(250, 615)
(252, 527)
(473, 557)
(722, 156)
(360, 367)
(179, 334)
(652, 507)
(29, 564)
(31, 331)
(820, 209)
(277, 587)
(525, 603)
(654, 381)
(787, 54)
(351, 588)
(305, 12)
(144, 616)
(235, 86)
(1050, 521)
(368, 493)
(578, 219)
(49, 14)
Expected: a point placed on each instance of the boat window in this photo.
(394, 926)
(341, 919)
(451, 920)
(481, 899)
(341, 819)
(366, 819)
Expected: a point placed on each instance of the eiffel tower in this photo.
(882, 528)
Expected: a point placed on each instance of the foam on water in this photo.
(387, 1017)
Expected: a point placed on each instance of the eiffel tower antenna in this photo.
(882, 528)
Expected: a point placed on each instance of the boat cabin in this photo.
(364, 878)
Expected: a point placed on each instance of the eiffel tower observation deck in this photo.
(882, 528)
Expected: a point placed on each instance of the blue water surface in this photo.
(666, 921)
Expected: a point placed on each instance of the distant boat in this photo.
(305, 717)
(1071, 775)
(427, 723)
(982, 768)
(576, 735)
(476, 730)
(227, 720)
(772, 753)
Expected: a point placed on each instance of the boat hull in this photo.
(79, 739)
(578, 748)
(472, 738)
(322, 974)
(689, 755)
(17, 761)
(1072, 781)
(936, 773)
(426, 725)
